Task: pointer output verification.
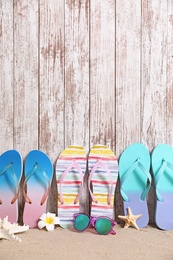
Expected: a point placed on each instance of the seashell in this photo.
(8, 230)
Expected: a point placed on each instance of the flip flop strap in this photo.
(36, 168)
(158, 177)
(74, 164)
(13, 174)
(100, 163)
(125, 177)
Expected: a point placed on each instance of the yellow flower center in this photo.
(49, 220)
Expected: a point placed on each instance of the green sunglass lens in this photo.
(81, 222)
(103, 226)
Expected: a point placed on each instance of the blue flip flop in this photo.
(10, 176)
(135, 181)
(38, 172)
(162, 168)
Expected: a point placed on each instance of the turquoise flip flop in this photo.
(38, 177)
(135, 180)
(10, 176)
(162, 168)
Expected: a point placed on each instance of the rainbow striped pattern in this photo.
(101, 180)
(71, 183)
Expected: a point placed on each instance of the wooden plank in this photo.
(102, 72)
(128, 99)
(154, 79)
(6, 75)
(169, 75)
(51, 94)
(154, 72)
(77, 80)
(77, 72)
(25, 80)
(25, 76)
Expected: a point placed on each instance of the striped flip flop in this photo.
(103, 174)
(70, 168)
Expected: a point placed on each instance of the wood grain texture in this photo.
(156, 79)
(25, 76)
(128, 52)
(169, 74)
(25, 90)
(6, 75)
(76, 98)
(51, 85)
(128, 98)
(154, 72)
(51, 78)
(85, 72)
(77, 72)
(102, 72)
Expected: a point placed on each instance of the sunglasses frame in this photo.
(92, 222)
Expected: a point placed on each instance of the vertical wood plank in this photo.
(85, 72)
(154, 72)
(102, 72)
(128, 99)
(25, 75)
(6, 75)
(25, 80)
(155, 89)
(51, 93)
(77, 72)
(169, 75)
(77, 79)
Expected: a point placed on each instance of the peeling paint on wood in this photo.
(85, 72)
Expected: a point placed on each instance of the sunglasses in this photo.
(102, 225)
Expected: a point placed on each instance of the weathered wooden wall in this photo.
(85, 72)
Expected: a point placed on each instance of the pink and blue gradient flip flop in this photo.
(38, 177)
(10, 176)
(135, 181)
(162, 168)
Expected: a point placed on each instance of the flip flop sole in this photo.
(9, 179)
(71, 184)
(101, 181)
(36, 186)
(164, 208)
(136, 182)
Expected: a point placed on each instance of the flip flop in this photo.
(135, 181)
(103, 174)
(10, 176)
(70, 168)
(162, 168)
(38, 177)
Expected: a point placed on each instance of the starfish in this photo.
(130, 219)
(7, 230)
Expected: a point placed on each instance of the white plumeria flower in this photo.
(48, 220)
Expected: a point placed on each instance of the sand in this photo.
(147, 243)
